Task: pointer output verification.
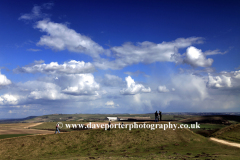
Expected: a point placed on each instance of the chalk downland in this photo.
(116, 143)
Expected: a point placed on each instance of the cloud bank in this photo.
(70, 67)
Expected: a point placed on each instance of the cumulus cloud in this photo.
(41, 90)
(145, 52)
(133, 88)
(110, 104)
(218, 81)
(48, 91)
(4, 81)
(236, 74)
(70, 67)
(195, 57)
(163, 89)
(60, 37)
(86, 85)
(36, 12)
(60, 90)
(8, 99)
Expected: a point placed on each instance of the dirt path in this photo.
(225, 142)
(22, 128)
(33, 125)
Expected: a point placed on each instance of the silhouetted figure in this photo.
(160, 116)
(156, 116)
(109, 124)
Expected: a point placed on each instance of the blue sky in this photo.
(119, 57)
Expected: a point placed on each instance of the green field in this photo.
(115, 144)
(3, 136)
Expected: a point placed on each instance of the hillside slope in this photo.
(231, 133)
(137, 143)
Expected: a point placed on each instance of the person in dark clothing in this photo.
(156, 116)
(109, 124)
(160, 113)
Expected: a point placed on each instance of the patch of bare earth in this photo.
(225, 142)
(22, 128)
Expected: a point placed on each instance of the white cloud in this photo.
(218, 81)
(196, 58)
(85, 85)
(133, 88)
(236, 74)
(145, 52)
(8, 99)
(110, 104)
(163, 89)
(4, 81)
(41, 90)
(60, 37)
(36, 12)
(70, 67)
(214, 52)
(33, 50)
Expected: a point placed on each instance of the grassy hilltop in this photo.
(115, 144)
(230, 133)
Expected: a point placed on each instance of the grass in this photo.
(115, 144)
(206, 130)
(52, 125)
(12, 135)
(231, 133)
(212, 126)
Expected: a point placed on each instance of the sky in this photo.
(112, 56)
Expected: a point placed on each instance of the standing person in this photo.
(156, 116)
(109, 124)
(57, 129)
(160, 116)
